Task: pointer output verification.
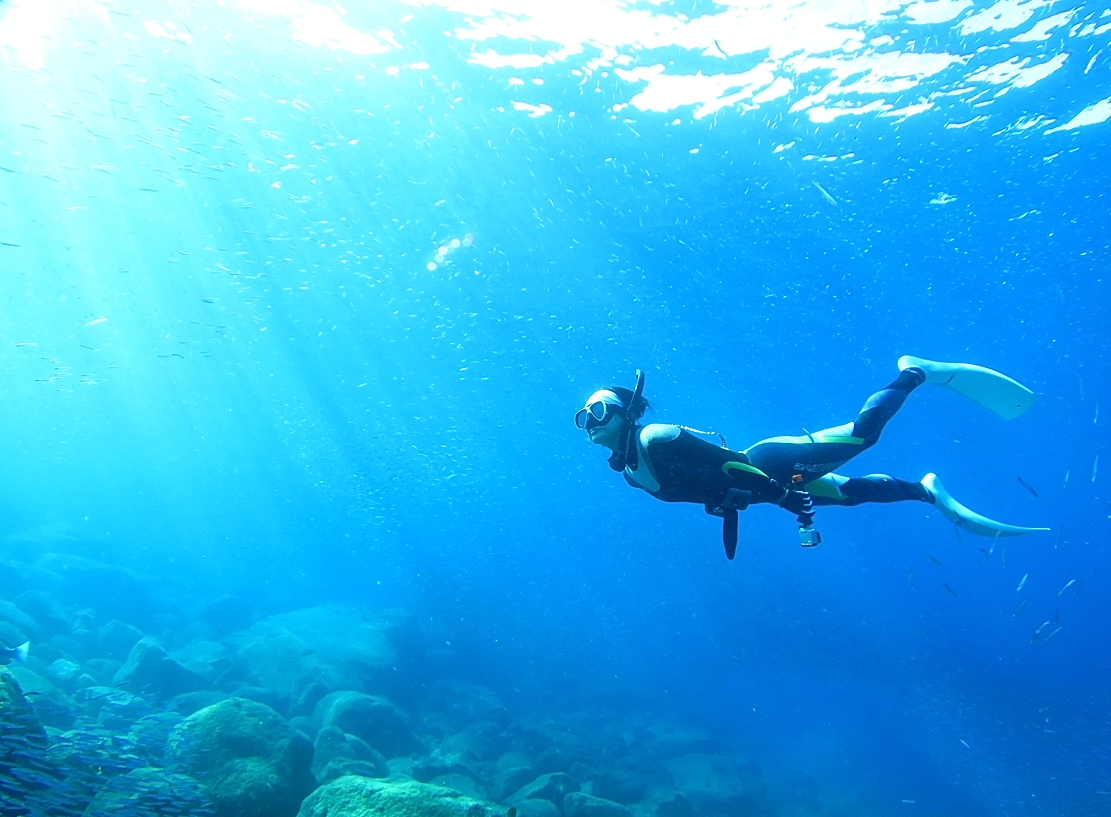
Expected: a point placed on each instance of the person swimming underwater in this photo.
(797, 473)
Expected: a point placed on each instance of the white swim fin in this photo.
(1006, 397)
(962, 517)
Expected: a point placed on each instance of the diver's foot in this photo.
(1006, 397)
(962, 517)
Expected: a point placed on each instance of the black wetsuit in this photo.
(677, 466)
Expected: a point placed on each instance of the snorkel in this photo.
(625, 455)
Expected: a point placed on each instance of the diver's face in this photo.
(601, 418)
(608, 434)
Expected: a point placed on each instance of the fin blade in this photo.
(994, 390)
(968, 519)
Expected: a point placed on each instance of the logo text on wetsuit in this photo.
(822, 467)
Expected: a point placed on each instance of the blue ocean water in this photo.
(299, 299)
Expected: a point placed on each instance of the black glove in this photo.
(799, 503)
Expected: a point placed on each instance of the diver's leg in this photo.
(819, 453)
(834, 489)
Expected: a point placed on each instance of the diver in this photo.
(674, 464)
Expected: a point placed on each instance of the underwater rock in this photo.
(677, 806)
(508, 782)
(115, 639)
(536, 808)
(52, 706)
(336, 751)
(112, 708)
(627, 782)
(577, 804)
(339, 767)
(551, 787)
(30, 782)
(364, 797)
(479, 744)
(189, 702)
(103, 669)
(263, 696)
(716, 783)
(113, 591)
(64, 673)
(151, 735)
(253, 763)
(150, 791)
(458, 705)
(336, 648)
(26, 627)
(228, 614)
(150, 669)
(12, 582)
(45, 610)
(206, 658)
(374, 719)
(462, 783)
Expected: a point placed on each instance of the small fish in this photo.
(826, 195)
(933, 559)
(1061, 592)
(987, 554)
(1019, 609)
(18, 654)
(1068, 473)
(1050, 636)
(1022, 583)
(95, 321)
(6, 244)
(910, 579)
(965, 744)
(1028, 487)
(1038, 632)
(952, 592)
(1095, 466)
(722, 50)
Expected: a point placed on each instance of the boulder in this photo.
(577, 804)
(462, 783)
(551, 787)
(373, 719)
(228, 614)
(52, 706)
(508, 781)
(12, 582)
(716, 783)
(365, 797)
(103, 669)
(149, 668)
(112, 708)
(536, 808)
(337, 754)
(676, 806)
(306, 654)
(113, 591)
(187, 703)
(206, 658)
(115, 639)
(45, 610)
(252, 762)
(150, 791)
(26, 628)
